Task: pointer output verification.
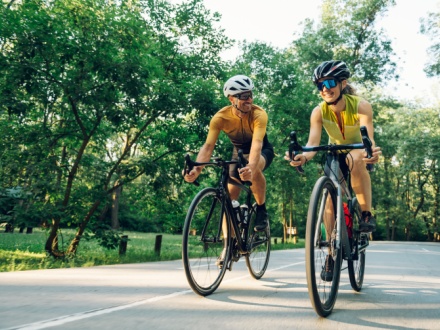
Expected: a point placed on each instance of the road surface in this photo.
(401, 291)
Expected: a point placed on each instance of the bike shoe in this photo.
(261, 221)
(327, 270)
(368, 223)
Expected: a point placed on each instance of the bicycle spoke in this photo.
(259, 249)
(204, 239)
(323, 260)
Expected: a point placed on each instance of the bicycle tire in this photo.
(322, 293)
(203, 242)
(259, 248)
(356, 268)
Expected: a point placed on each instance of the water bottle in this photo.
(236, 207)
(244, 211)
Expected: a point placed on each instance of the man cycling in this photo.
(245, 125)
(341, 114)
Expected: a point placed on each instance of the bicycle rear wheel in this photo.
(258, 247)
(356, 268)
(321, 245)
(205, 234)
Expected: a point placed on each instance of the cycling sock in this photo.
(261, 207)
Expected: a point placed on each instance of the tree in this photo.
(90, 84)
(347, 32)
(431, 27)
(284, 87)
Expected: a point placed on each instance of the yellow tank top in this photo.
(349, 130)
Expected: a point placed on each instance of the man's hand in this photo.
(245, 173)
(192, 175)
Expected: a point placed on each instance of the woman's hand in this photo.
(298, 160)
(374, 157)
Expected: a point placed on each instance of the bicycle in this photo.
(213, 224)
(331, 244)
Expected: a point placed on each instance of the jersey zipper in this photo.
(341, 124)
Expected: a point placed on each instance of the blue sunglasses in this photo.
(329, 83)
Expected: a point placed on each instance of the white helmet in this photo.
(238, 84)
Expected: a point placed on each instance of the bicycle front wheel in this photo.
(323, 258)
(356, 268)
(258, 247)
(205, 235)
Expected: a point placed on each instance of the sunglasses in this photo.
(329, 83)
(244, 96)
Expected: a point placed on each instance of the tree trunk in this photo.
(115, 207)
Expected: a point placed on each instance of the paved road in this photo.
(401, 291)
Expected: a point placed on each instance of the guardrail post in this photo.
(158, 245)
(123, 244)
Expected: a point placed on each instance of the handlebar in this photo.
(295, 147)
(368, 144)
(216, 161)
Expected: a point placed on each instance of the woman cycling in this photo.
(341, 114)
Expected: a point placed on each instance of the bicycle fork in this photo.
(341, 229)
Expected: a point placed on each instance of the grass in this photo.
(26, 251)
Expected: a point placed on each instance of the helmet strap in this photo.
(235, 106)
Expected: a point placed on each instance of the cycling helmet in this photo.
(336, 69)
(238, 84)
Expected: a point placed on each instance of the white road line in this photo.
(97, 312)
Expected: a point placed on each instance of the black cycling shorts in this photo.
(267, 152)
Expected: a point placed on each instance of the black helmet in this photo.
(336, 69)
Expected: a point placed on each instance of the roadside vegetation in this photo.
(19, 252)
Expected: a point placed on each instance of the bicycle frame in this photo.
(327, 239)
(221, 238)
(227, 203)
(343, 190)
(223, 193)
(343, 186)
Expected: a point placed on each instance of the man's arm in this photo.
(205, 152)
(255, 154)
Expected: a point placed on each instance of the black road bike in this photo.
(330, 238)
(216, 234)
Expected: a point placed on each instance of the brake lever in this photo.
(368, 144)
(242, 162)
(294, 148)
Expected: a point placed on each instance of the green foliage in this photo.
(97, 96)
(430, 26)
(90, 86)
(347, 32)
(25, 252)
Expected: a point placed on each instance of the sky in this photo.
(276, 21)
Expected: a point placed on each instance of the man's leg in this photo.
(259, 190)
(259, 183)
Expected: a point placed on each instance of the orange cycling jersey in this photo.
(240, 131)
